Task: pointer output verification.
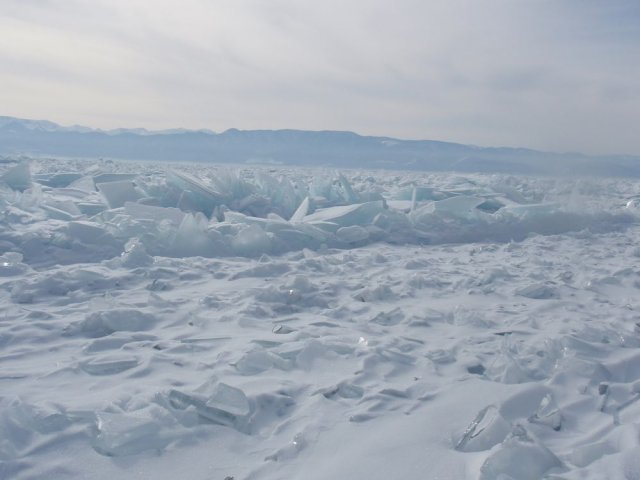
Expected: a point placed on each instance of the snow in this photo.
(196, 321)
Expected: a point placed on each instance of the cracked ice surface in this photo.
(201, 322)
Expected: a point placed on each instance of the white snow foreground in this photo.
(268, 324)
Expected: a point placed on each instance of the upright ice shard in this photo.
(344, 216)
(85, 184)
(347, 191)
(301, 212)
(157, 214)
(119, 192)
(17, 177)
(192, 238)
(281, 193)
(196, 194)
(251, 241)
(230, 400)
(486, 430)
(548, 413)
(519, 457)
(463, 206)
(135, 255)
(89, 232)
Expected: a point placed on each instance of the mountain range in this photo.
(42, 138)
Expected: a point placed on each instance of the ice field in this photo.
(191, 321)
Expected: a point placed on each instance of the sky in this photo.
(556, 75)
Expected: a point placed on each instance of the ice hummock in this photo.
(17, 177)
(519, 457)
(232, 213)
(193, 193)
(348, 309)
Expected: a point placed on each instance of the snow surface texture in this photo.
(207, 323)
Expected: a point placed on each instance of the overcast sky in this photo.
(561, 75)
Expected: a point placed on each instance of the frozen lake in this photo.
(204, 322)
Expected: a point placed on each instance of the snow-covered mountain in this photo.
(294, 147)
(17, 124)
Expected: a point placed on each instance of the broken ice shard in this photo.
(281, 193)
(352, 234)
(118, 193)
(520, 457)
(301, 212)
(126, 434)
(11, 264)
(89, 232)
(192, 238)
(107, 177)
(103, 323)
(461, 206)
(17, 177)
(135, 255)
(538, 291)
(150, 212)
(344, 216)
(347, 191)
(486, 430)
(251, 241)
(344, 390)
(198, 195)
(506, 369)
(57, 180)
(548, 413)
(226, 405)
(109, 364)
(418, 194)
(229, 399)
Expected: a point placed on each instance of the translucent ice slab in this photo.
(200, 196)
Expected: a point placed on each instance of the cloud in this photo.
(557, 75)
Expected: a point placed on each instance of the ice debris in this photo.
(240, 213)
(11, 265)
(538, 291)
(486, 430)
(224, 404)
(119, 192)
(123, 434)
(193, 194)
(548, 413)
(301, 212)
(17, 177)
(520, 457)
(109, 364)
(103, 323)
(135, 255)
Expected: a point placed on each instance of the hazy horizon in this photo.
(552, 76)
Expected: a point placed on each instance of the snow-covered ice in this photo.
(204, 322)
